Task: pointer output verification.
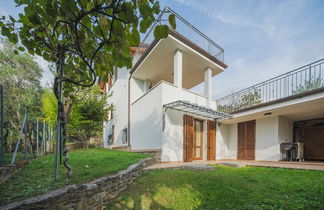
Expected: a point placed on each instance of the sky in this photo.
(261, 38)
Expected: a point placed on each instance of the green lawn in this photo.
(37, 177)
(225, 188)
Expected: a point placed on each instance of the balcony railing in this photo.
(185, 29)
(301, 80)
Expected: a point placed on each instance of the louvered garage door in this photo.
(314, 141)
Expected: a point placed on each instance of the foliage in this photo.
(89, 164)
(251, 98)
(241, 101)
(20, 76)
(91, 110)
(49, 107)
(311, 84)
(225, 188)
(87, 113)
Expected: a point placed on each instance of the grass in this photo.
(37, 177)
(225, 188)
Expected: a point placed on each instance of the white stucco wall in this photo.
(226, 141)
(266, 145)
(137, 89)
(285, 130)
(270, 133)
(146, 121)
(119, 98)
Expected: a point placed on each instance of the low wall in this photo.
(155, 154)
(84, 196)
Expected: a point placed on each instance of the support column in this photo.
(177, 69)
(208, 84)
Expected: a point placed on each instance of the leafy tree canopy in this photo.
(20, 76)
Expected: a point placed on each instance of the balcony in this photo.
(296, 83)
(185, 29)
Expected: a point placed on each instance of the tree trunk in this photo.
(57, 88)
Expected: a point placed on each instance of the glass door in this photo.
(198, 139)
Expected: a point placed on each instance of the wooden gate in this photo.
(246, 140)
(211, 143)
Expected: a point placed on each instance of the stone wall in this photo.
(155, 154)
(84, 196)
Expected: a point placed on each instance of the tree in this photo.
(311, 84)
(251, 98)
(20, 76)
(87, 113)
(84, 38)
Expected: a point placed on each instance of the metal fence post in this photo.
(43, 140)
(1, 128)
(37, 136)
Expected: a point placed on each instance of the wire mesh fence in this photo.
(30, 139)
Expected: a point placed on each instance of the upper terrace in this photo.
(185, 58)
(185, 29)
(297, 83)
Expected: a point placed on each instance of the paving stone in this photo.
(199, 167)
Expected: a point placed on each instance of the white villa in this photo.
(155, 109)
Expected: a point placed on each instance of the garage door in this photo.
(311, 133)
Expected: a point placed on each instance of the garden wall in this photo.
(84, 196)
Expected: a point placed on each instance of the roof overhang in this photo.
(196, 109)
(156, 63)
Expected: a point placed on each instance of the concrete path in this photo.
(238, 164)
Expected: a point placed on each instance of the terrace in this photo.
(299, 82)
(185, 29)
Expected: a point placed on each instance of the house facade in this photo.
(155, 109)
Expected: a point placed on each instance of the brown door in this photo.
(198, 139)
(246, 140)
(188, 135)
(211, 141)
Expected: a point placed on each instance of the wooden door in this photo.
(188, 135)
(246, 140)
(198, 143)
(211, 141)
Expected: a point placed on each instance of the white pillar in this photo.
(177, 69)
(147, 84)
(208, 84)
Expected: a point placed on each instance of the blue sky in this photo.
(261, 38)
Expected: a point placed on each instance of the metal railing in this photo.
(185, 29)
(297, 81)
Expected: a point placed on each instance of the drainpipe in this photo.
(128, 126)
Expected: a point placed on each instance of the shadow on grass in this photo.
(225, 188)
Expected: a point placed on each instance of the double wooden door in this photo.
(193, 140)
(246, 140)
